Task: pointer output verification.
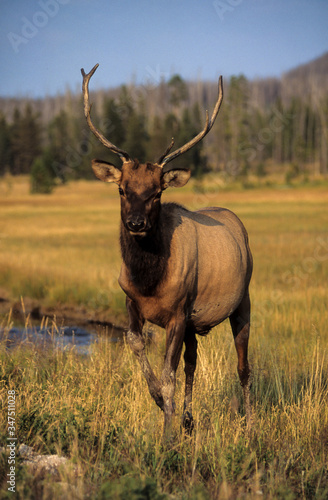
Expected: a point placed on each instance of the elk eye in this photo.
(120, 190)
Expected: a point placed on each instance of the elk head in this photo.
(141, 185)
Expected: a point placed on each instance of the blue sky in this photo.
(44, 43)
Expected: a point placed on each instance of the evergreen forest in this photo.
(263, 126)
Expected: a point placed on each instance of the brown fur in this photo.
(184, 271)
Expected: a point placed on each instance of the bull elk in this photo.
(183, 271)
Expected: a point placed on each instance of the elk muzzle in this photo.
(136, 224)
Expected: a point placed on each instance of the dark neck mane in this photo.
(146, 258)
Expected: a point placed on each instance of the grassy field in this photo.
(63, 250)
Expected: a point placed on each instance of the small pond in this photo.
(79, 338)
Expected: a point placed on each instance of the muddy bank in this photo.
(61, 315)
(64, 327)
(29, 323)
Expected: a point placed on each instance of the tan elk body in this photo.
(184, 271)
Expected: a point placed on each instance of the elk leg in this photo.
(190, 358)
(240, 323)
(174, 341)
(137, 344)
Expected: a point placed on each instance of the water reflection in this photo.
(63, 337)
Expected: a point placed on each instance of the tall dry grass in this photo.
(96, 409)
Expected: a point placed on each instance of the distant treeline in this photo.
(279, 122)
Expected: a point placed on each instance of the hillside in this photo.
(309, 78)
(269, 121)
(317, 67)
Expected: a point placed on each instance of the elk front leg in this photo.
(175, 332)
(240, 324)
(137, 344)
(190, 358)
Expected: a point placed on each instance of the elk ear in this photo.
(106, 171)
(175, 178)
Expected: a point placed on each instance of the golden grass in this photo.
(97, 409)
(64, 249)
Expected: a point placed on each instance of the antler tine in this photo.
(87, 108)
(208, 125)
(168, 149)
(218, 103)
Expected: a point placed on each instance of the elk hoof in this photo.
(188, 423)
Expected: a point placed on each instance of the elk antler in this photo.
(208, 125)
(168, 149)
(87, 108)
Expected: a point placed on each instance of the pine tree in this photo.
(178, 90)
(114, 129)
(136, 137)
(158, 139)
(26, 141)
(125, 106)
(238, 116)
(59, 138)
(192, 158)
(5, 146)
(42, 178)
(323, 134)
(171, 126)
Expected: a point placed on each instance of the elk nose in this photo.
(136, 224)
